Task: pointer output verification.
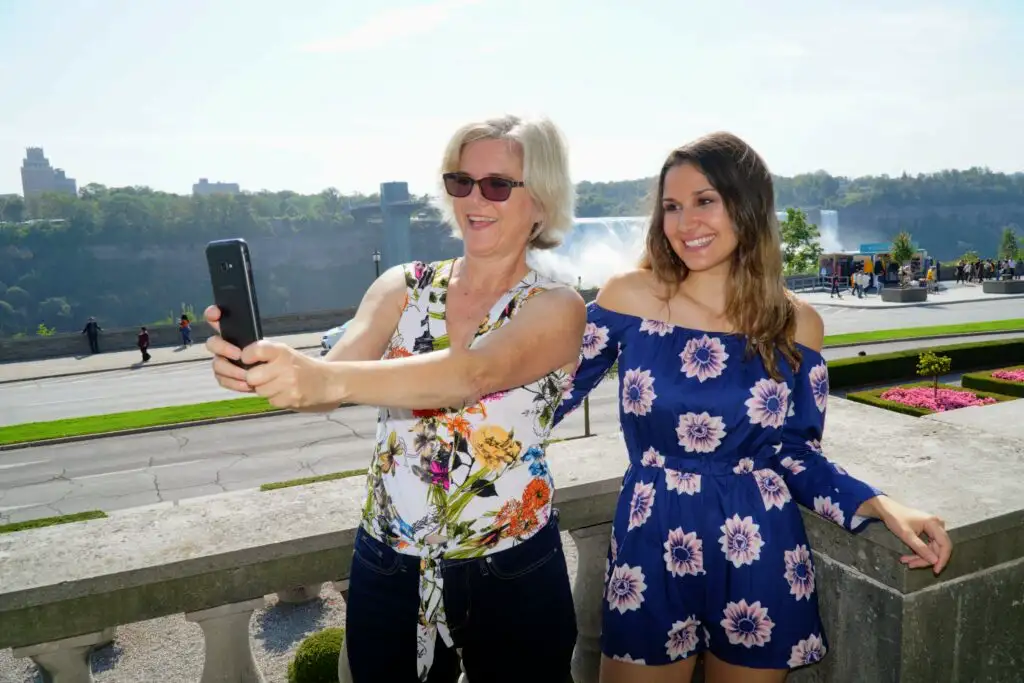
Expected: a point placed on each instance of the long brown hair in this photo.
(757, 305)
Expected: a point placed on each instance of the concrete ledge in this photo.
(910, 295)
(1003, 286)
(885, 623)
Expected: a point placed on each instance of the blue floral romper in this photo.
(708, 549)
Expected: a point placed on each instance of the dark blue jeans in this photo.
(511, 614)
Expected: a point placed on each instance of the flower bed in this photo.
(1010, 375)
(1007, 381)
(919, 398)
(935, 401)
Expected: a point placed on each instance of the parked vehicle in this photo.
(331, 337)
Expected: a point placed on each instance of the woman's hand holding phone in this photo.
(287, 378)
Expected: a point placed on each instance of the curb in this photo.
(847, 345)
(1001, 297)
(79, 373)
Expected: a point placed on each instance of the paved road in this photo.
(146, 469)
(185, 383)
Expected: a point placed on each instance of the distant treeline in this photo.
(133, 255)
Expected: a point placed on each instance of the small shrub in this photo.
(929, 364)
(316, 660)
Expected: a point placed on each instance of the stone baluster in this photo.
(229, 657)
(67, 660)
(587, 594)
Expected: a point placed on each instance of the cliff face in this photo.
(294, 273)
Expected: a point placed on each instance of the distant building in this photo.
(205, 188)
(37, 176)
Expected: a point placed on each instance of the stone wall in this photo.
(62, 590)
(125, 339)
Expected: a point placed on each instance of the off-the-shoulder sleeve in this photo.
(816, 482)
(601, 342)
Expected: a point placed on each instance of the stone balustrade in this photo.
(62, 588)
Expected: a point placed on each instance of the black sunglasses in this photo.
(493, 188)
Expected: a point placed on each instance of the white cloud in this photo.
(390, 26)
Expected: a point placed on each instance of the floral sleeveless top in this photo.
(461, 482)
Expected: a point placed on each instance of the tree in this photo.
(1008, 247)
(902, 252)
(801, 247)
(931, 365)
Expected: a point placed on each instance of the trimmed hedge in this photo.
(984, 381)
(900, 365)
(873, 397)
(316, 660)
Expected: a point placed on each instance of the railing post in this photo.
(228, 654)
(67, 660)
(586, 416)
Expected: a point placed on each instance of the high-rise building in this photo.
(37, 176)
(204, 187)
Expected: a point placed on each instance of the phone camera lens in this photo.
(225, 266)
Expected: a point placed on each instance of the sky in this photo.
(311, 94)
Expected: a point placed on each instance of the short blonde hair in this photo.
(545, 171)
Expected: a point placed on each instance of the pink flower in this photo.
(640, 506)
(595, 340)
(747, 625)
(682, 638)
(799, 572)
(808, 651)
(741, 540)
(625, 588)
(684, 553)
(638, 392)
(925, 397)
(1016, 375)
(704, 358)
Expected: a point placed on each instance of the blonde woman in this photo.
(723, 405)
(459, 548)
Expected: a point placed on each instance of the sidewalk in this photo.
(950, 294)
(126, 360)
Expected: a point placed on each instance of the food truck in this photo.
(873, 258)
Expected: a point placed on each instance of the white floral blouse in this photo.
(460, 482)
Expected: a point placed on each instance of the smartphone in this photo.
(234, 292)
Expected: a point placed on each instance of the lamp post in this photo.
(376, 261)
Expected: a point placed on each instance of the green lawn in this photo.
(51, 521)
(1014, 325)
(135, 419)
(153, 417)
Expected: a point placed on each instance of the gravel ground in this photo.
(170, 649)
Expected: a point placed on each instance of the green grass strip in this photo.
(52, 521)
(312, 480)
(1015, 325)
(135, 419)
